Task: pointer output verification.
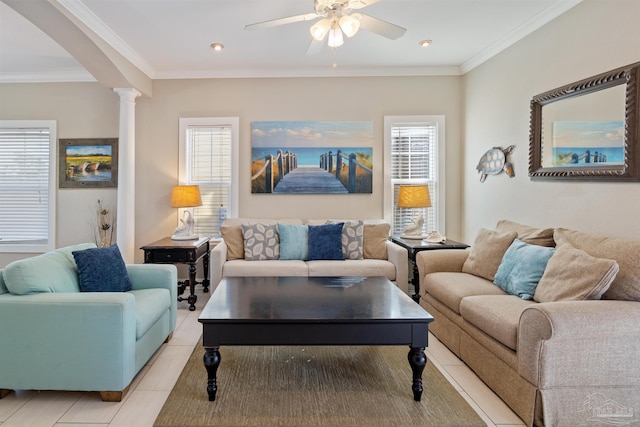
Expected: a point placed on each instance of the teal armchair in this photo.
(58, 338)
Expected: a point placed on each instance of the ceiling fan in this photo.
(338, 18)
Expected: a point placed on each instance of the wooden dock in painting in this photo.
(310, 180)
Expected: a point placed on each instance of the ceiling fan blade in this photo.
(281, 21)
(359, 4)
(383, 28)
(315, 46)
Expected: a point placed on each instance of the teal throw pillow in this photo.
(294, 241)
(325, 242)
(521, 268)
(102, 270)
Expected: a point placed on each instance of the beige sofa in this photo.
(570, 360)
(380, 257)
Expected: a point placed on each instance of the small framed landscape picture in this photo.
(88, 163)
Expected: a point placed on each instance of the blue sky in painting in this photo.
(283, 134)
(83, 150)
(588, 134)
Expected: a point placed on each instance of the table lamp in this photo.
(185, 196)
(414, 196)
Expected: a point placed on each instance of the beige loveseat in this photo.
(377, 255)
(567, 357)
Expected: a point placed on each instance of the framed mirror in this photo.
(588, 130)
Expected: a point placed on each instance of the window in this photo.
(27, 185)
(414, 154)
(209, 158)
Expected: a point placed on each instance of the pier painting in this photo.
(88, 163)
(588, 143)
(312, 157)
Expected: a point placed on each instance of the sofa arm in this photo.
(440, 260)
(66, 330)
(148, 276)
(580, 343)
(397, 255)
(218, 258)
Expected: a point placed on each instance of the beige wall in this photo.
(594, 37)
(284, 99)
(90, 110)
(82, 110)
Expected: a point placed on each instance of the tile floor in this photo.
(152, 385)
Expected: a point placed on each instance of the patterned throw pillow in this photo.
(261, 242)
(352, 239)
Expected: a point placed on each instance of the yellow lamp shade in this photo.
(185, 196)
(414, 196)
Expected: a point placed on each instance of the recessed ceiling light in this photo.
(217, 46)
(425, 43)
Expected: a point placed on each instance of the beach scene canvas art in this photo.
(311, 157)
(588, 143)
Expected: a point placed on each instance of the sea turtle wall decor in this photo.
(495, 161)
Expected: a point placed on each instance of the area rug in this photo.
(313, 386)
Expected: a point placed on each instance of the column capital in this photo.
(127, 93)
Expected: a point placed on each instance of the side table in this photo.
(167, 251)
(415, 246)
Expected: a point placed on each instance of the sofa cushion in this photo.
(240, 267)
(151, 304)
(496, 315)
(231, 232)
(350, 267)
(232, 236)
(487, 251)
(528, 234)
(261, 242)
(102, 270)
(53, 271)
(626, 285)
(573, 274)
(294, 241)
(451, 287)
(3, 287)
(521, 268)
(374, 240)
(352, 240)
(325, 241)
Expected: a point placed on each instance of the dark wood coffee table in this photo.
(313, 311)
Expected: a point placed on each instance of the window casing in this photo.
(414, 154)
(209, 159)
(27, 185)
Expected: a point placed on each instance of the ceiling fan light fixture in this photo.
(349, 25)
(320, 29)
(335, 36)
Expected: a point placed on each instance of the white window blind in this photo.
(27, 186)
(209, 163)
(413, 159)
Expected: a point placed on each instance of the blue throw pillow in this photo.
(102, 270)
(294, 241)
(325, 241)
(521, 268)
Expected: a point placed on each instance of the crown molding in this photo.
(48, 77)
(547, 15)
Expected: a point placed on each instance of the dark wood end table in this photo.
(312, 311)
(414, 246)
(167, 251)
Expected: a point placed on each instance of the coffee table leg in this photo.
(211, 362)
(417, 360)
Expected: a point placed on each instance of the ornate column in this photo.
(126, 173)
